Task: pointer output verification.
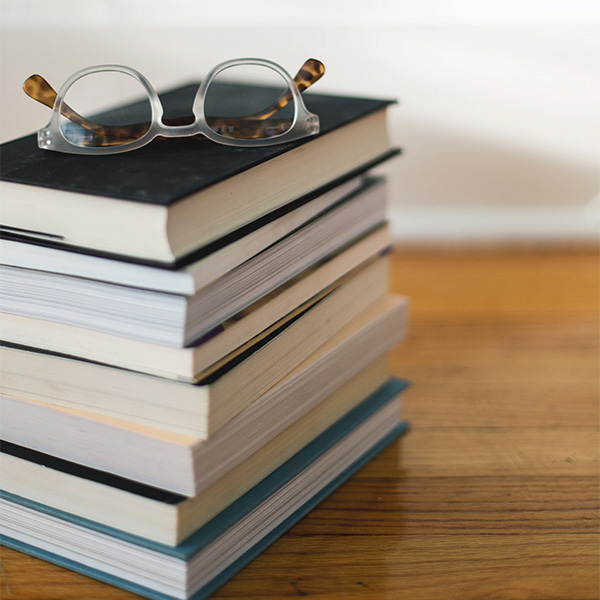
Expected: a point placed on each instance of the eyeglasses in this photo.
(224, 110)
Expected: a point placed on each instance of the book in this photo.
(179, 320)
(196, 270)
(171, 198)
(163, 516)
(205, 560)
(181, 462)
(199, 409)
(232, 337)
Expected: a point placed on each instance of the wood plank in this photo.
(388, 506)
(477, 452)
(461, 403)
(449, 285)
(422, 567)
(501, 374)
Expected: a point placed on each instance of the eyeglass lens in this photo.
(88, 114)
(263, 109)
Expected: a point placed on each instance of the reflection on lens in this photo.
(249, 102)
(108, 108)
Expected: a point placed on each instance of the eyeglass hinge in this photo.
(312, 124)
(45, 137)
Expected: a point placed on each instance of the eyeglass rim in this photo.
(305, 123)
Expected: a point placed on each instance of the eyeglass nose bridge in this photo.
(176, 131)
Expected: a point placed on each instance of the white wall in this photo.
(499, 100)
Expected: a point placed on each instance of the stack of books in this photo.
(195, 345)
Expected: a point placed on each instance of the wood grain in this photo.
(493, 493)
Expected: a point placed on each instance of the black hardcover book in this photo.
(171, 197)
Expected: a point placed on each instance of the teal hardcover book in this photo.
(208, 558)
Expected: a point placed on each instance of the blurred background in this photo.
(499, 112)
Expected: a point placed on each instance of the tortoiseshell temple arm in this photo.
(312, 70)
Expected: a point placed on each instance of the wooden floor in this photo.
(494, 492)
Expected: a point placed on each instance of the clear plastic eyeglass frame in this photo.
(52, 137)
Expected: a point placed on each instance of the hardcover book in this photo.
(170, 198)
